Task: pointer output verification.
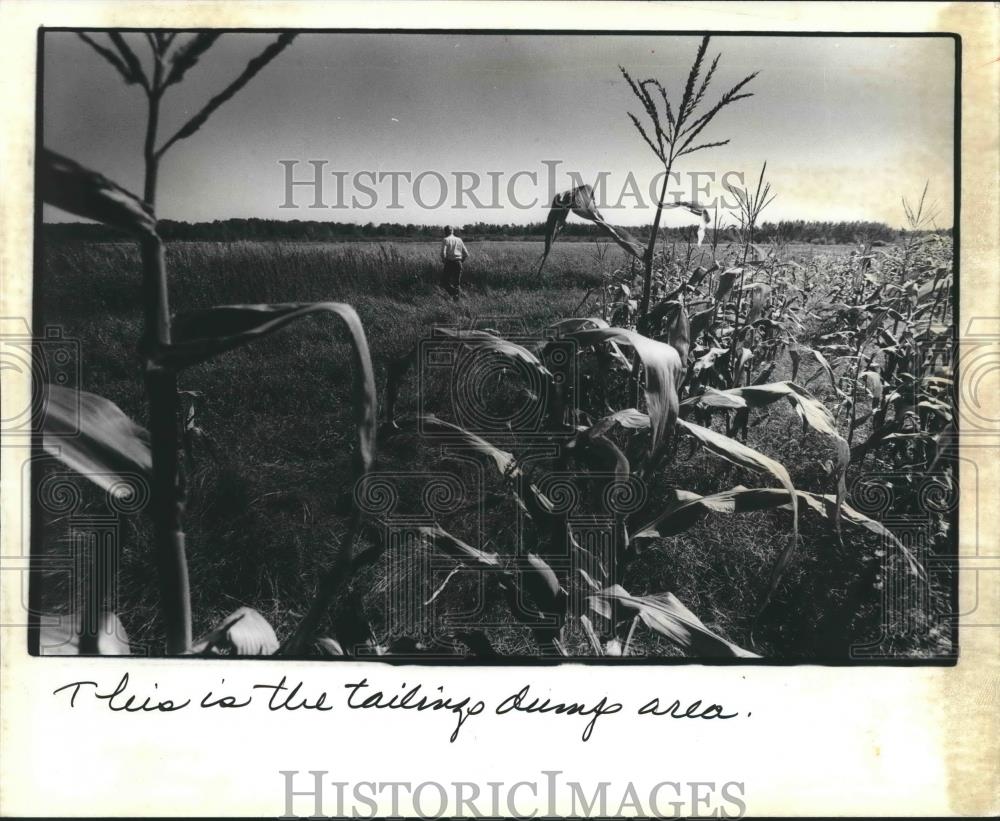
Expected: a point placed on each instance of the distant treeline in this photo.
(231, 230)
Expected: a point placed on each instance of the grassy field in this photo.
(267, 495)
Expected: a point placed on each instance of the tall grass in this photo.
(208, 273)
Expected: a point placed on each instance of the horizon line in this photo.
(455, 224)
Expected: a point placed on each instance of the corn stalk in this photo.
(167, 493)
(674, 134)
(750, 206)
(167, 497)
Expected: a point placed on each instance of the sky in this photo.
(847, 126)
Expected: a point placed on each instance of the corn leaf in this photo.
(666, 615)
(831, 506)
(540, 580)
(700, 212)
(873, 384)
(813, 412)
(326, 646)
(699, 273)
(577, 323)
(740, 454)
(701, 322)
(727, 279)
(458, 550)
(244, 632)
(483, 340)
(204, 334)
(567, 326)
(91, 435)
(187, 55)
(795, 353)
(71, 187)
(713, 398)
(580, 201)
(760, 293)
(534, 502)
(129, 57)
(671, 317)
(473, 340)
(588, 630)
(504, 460)
(115, 58)
(663, 371)
(629, 418)
(707, 361)
(248, 73)
(686, 508)
(64, 639)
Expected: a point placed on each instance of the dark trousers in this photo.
(453, 276)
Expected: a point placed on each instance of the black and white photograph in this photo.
(496, 347)
(440, 409)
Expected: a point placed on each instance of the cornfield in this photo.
(527, 498)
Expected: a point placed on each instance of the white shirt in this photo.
(453, 248)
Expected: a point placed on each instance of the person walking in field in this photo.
(453, 254)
